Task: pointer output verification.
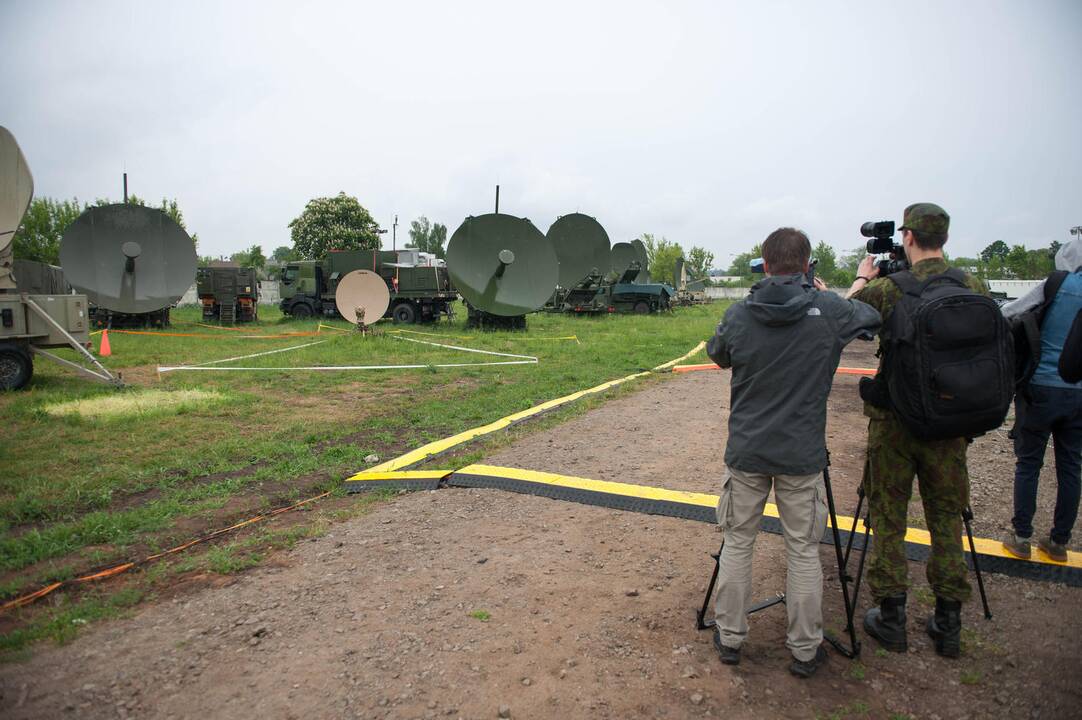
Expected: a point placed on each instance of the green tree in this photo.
(38, 237)
(333, 223)
(661, 256)
(284, 254)
(998, 249)
(428, 237)
(741, 265)
(699, 261)
(252, 257)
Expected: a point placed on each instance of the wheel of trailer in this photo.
(404, 313)
(16, 367)
(301, 310)
(642, 307)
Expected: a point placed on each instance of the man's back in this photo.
(783, 343)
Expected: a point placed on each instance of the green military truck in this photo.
(228, 294)
(420, 287)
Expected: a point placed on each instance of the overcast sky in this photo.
(710, 123)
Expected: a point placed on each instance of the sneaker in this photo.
(807, 668)
(1052, 549)
(728, 655)
(1017, 546)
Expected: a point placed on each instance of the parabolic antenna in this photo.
(644, 261)
(623, 254)
(581, 245)
(16, 189)
(128, 258)
(362, 296)
(502, 264)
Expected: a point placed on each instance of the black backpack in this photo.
(1026, 330)
(949, 358)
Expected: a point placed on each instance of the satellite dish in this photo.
(16, 189)
(644, 261)
(128, 258)
(502, 264)
(581, 245)
(623, 254)
(362, 296)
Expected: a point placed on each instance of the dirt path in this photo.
(456, 602)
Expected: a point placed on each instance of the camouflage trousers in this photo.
(894, 457)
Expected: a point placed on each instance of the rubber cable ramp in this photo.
(693, 506)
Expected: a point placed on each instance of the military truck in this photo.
(228, 294)
(627, 296)
(420, 287)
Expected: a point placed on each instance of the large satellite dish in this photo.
(644, 261)
(128, 258)
(502, 264)
(16, 189)
(581, 245)
(623, 254)
(362, 296)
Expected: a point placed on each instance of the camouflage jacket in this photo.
(883, 294)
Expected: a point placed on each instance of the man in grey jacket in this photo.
(783, 343)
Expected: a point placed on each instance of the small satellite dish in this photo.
(128, 258)
(16, 189)
(362, 297)
(644, 261)
(502, 264)
(581, 245)
(623, 254)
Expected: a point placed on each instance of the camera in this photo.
(882, 242)
(758, 266)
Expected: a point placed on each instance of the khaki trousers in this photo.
(801, 501)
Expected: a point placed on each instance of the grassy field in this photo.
(92, 476)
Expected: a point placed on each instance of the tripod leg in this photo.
(967, 516)
(854, 645)
(853, 529)
(700, 620)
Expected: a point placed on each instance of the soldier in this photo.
(895, 455)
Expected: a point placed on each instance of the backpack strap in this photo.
(1051, 288)
(906, 282)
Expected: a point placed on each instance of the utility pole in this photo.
(125, 188)
(394, 234)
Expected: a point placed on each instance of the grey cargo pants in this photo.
(801, 501)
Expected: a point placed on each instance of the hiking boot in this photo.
(1017, 546)
(806, 668)
(886, 623)
(728, 655)
(1051, 548)
(945, 627)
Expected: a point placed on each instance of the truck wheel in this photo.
(642, 307)
(16, 367)
(404, 313)
(301, 310)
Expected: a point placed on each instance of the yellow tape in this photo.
(439, 446)
(984, 546)
(695, 350)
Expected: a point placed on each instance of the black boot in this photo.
(945, 627)
(886, 623)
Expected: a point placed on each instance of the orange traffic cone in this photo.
(105, 350)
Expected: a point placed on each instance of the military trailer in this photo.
(626, 296)
(228, 294)
(37, 312)
(419, 285)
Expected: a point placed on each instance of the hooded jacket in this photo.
(783, 343)
(1058, 318)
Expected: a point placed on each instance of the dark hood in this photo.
(780, 300)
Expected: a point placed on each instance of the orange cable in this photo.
(124, 567)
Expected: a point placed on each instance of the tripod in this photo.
(853, 650)
(967, 518)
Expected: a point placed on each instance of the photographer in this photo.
(895, 454)
(783, 343)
